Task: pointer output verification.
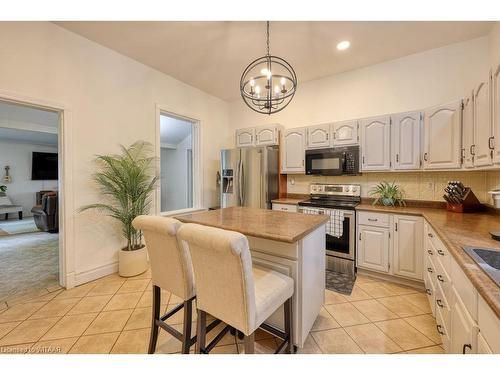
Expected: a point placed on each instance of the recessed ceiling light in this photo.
(345, 44)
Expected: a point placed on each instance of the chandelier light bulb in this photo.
(283, 81)
(252, 82)
(276, 89)
(257, 90)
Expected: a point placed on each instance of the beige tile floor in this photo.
(112, 315)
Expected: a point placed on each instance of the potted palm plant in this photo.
(127, 181)
(388, 194)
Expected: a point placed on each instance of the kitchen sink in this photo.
(487, 259)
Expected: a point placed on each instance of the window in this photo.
(178, 139)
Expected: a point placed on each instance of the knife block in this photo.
(470, 203)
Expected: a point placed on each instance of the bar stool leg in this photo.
(249, 344)
(201, 331)
(289, 325)
(186, 331)
(153, 338)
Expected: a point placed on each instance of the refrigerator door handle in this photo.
(241, 182)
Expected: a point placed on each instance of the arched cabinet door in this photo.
(442, 133)
(266, 135)
(495, 86)
(293, 151)
(345, 133)
(375, 143)
(406, 130)
(245, 137)
(482, 125)
(468, 132)
(318, 136)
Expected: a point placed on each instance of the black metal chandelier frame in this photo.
(268, 103)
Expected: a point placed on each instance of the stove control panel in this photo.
(335, 189)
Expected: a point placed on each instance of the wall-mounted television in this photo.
(44, 166)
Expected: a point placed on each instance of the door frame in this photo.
(197, 155)
(65, 180)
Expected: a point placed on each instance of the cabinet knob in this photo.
(441, 252)
(430, 235)
(440, 278)
(430, 252)
(425, 156)
(429, 269)
(428, 291)
(439, 303)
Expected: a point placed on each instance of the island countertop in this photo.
(272, 225)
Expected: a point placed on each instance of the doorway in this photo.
(30, 203)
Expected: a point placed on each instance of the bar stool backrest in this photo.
(171, 266)
(223, 271)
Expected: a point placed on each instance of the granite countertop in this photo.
(457, 230)
(272, 225)
(287, 200)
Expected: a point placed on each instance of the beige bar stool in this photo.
(232, 290)
(172, 270)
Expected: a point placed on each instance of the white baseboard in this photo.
(94, 274)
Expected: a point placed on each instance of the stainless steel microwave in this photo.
(334, 161)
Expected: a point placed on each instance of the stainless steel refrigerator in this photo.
(249, 176)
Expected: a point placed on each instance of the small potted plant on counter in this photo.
(127, 180)
(388, 194)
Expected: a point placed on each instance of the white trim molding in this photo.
(197, 159)
(66, 195)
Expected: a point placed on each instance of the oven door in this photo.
(343, 246)
(325, 162)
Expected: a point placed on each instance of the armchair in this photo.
(46, 214)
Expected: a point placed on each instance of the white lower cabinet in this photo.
(466, 323)
(373, 248)
(463, 328)
(408, 243)
(391, 244)
(284, 207)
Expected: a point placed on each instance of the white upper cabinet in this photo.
(375, 144)
(468, 132)
(245, 137)
(318, 136)
(345, 133)
(408, 244)
(406, 133)
(482, 125)
(496, 113)
(267, 135)
(442, 133)
(293, 151)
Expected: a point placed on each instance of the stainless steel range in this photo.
(339, 203)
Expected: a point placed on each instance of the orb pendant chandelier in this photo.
(268, 83)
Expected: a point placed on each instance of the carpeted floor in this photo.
(27, 262)
(14, 226)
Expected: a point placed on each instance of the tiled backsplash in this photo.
(416, 185)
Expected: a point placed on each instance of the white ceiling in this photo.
(173, 130)
(28, 115)
(23, 124)
(212, 55)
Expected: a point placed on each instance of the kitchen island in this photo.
(287, 242)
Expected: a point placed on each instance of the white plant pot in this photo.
(495, 194)
(132, 263)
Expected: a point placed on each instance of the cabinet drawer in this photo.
(440, 250)
(464, 289)
(430, 268)
(442, 279)
(430, 291)
(443, 332)
(284, 207)
(374, 219)
(443, 306)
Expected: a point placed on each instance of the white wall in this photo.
(495, 44)
(174, 178)
(22, 190)
(112, 100)
(412, 82)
